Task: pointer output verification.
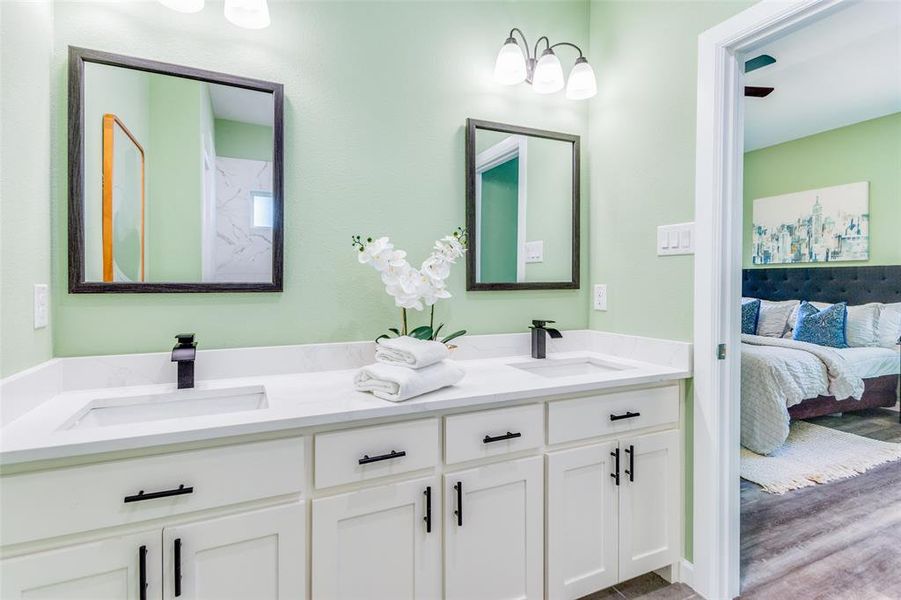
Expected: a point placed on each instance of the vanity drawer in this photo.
(604, 414)
(46, 504)
(492, 432)
(369, 452)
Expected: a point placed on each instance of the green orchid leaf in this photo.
(435, 333)
(453, 336)
(423, 332)
(395, 331)
(383, 336)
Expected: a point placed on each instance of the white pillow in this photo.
(860, 327)
(773, 319)
(888, 328)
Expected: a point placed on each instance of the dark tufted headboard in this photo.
(854, 285)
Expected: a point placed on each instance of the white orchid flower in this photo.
(373, 249)
(434, 293)
(393, 274)
(388, 258)
(436, 267)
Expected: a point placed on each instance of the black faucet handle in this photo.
(541, 324)
(185, 339)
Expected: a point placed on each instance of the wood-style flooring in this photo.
(837, 541)
(646, 587)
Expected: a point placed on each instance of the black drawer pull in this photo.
(177, 559)
(500, 438)
(459, 511)
(142, 573)
(615, 474)
(371, 459)
(628, 415)
(428, 509)
(631, 470)
(141, 496)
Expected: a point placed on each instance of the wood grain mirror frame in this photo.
(471, 284)
(77, 284)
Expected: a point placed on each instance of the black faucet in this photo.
(183, 353)
(539, 339)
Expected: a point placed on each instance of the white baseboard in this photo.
(687, 573)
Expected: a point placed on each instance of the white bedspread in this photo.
(778, 373)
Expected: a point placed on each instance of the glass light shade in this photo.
(250, 14)
(510, 66)
(185, 6)
(548, 76)
(582, 83)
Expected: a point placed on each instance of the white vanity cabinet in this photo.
(493, 528)
(381, 543)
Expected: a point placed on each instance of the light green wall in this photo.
(368, 149)
(866, 151)
(175, 191)
(243, 140)
(642, 144)
(500, 216)
(25, 191)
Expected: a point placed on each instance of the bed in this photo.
(764, 427)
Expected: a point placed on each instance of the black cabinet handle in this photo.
(628, 415)
(615, 474)
(428, 509)
(371, 459)
(142, 573)
(507, 436)
(459, 511)
(141, 496)
(177, 555)
(631, 470)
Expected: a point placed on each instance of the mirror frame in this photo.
(473, 235)
(77, 285)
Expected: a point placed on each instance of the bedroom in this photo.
(821, 310)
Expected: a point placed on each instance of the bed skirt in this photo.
(878, 392)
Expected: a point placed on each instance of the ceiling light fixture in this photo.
(185, 6)
(545, 73)
(250, 14)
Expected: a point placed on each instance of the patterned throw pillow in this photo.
(750, 310)
(825, 327)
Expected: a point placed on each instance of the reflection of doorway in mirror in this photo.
(500, 198)
(123, 203)
(208, 221)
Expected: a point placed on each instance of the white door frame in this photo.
(717, 280)
(515, 146)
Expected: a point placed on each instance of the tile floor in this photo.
(645, 587)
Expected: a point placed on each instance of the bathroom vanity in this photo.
(530, 479)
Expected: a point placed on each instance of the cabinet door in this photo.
(493, 531)
(259, 554)
(118, 568)
(650, 503)
(381, 543)
(582, 516)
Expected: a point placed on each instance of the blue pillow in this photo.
(750, 312)
(824, 327)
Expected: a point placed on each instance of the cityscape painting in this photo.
(823, 225)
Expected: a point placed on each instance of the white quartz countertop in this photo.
(297, 401)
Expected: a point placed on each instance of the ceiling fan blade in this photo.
(758, 92)
(758, 62)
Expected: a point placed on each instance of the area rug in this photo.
(813, 454)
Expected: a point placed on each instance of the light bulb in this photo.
(510, 66)
(582, 83)
(185, 6)
(548, 76)
(250, 14)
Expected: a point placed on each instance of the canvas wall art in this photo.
(822, 225)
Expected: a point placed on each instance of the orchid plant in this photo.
(414, 288)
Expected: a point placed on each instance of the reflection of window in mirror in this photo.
(262, 209)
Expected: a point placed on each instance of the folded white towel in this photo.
(410, 352)
(390, 382)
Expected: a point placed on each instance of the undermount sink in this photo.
(569, 367)
(172, 405)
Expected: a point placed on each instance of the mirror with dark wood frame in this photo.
(175, 178)
(522, 208)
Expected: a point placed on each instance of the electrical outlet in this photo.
(600, 296)
(534, 251)
(41, 305)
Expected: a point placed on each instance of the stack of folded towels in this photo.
(407, 367)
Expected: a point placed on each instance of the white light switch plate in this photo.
(534, 251)
(41, 305)
(600, 296)
(676, 239)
